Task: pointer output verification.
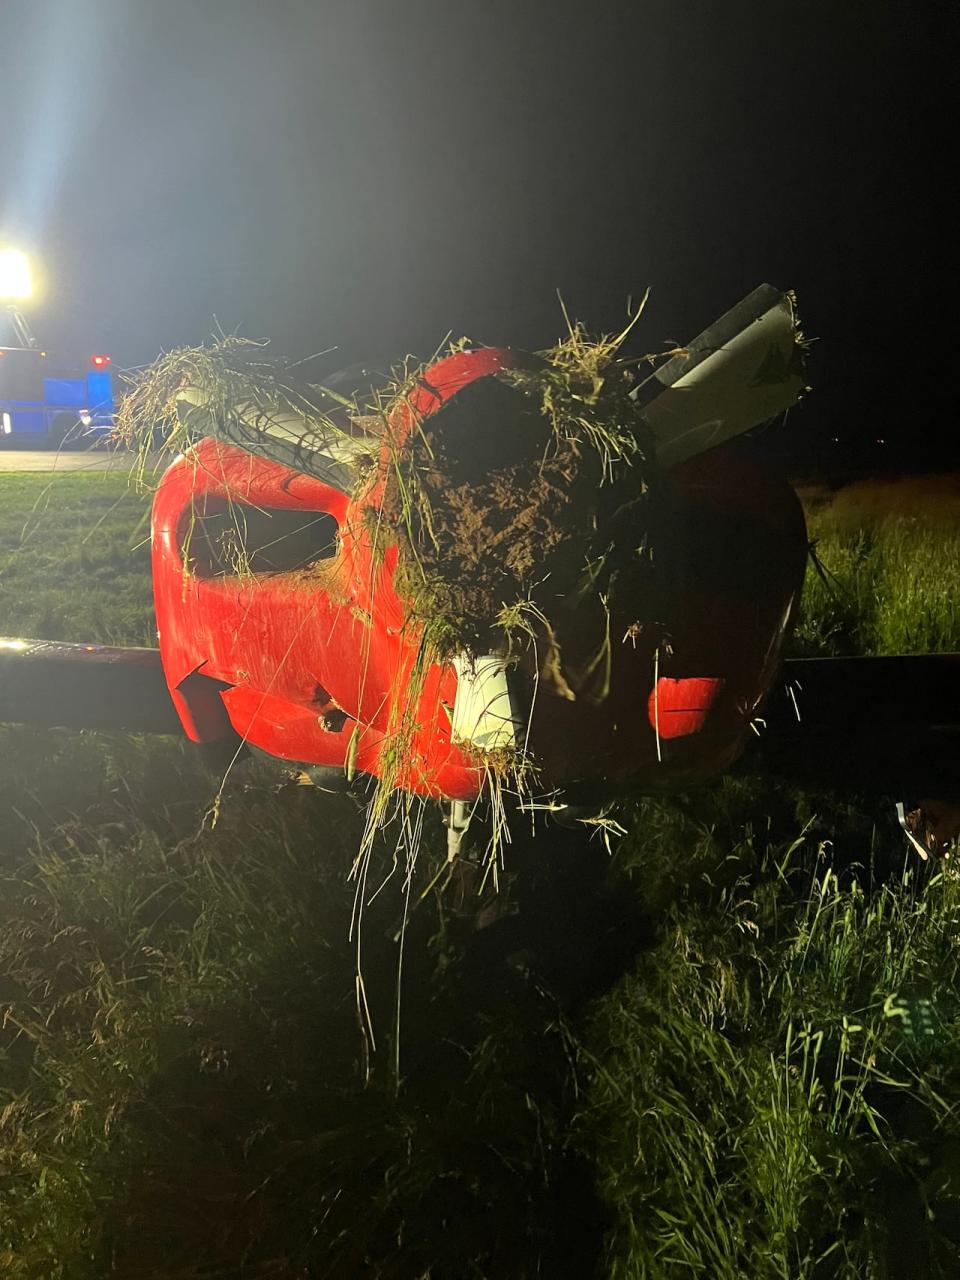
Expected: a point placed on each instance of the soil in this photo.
(507, 510)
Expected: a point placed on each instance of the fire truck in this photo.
(48, 402)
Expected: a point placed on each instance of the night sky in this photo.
(372, 175)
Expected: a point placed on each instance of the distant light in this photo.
(99, 362)
(17, 645)
(880, 440)
(15, 281)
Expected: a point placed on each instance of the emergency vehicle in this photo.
(48, 402)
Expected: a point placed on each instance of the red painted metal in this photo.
(314, 664)
(270, 657)
(678, 708)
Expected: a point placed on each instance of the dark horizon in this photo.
(373, 177)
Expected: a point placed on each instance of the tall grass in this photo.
(184, 1086)
(888, 579)
(774, 1086)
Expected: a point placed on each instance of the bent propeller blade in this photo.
(744, 369)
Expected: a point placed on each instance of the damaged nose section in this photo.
(522, 547)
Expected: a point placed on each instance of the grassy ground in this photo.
(731, 1049)
(74, 559)
(890, 552)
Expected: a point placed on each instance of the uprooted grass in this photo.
(505, 496)
(240, 390)
(507, 505)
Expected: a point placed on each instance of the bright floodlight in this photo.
(15, 282)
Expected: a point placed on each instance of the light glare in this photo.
(15, 282)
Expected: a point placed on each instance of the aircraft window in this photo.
(225, 539)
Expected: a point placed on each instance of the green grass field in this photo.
(729, 1049)
(75, 559)
(891, 557)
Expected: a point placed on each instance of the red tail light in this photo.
(99, 362)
